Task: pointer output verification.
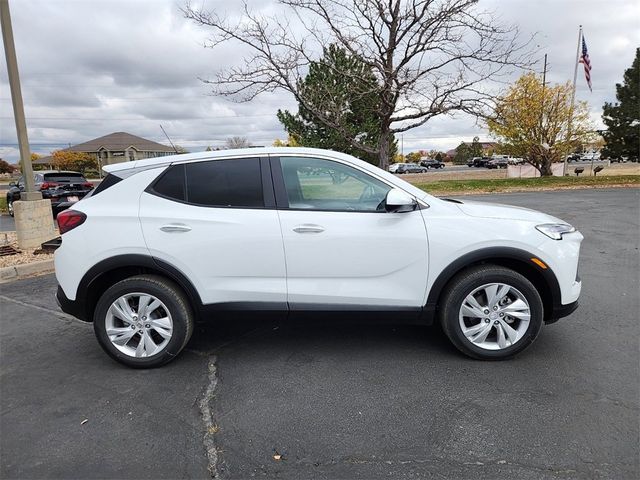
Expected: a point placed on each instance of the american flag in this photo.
(584, 59)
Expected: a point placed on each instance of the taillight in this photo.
(87, 185)
(46, 185)
(70, 219)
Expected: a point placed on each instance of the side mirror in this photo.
(398, 201)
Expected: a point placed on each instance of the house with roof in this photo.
(115, 148)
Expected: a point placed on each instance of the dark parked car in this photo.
(431, 163)
(62, 188)
(410, 168)
(498, 163)
(574, 157)
(478, 162)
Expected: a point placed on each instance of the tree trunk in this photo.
(545, 168)
(384, 148)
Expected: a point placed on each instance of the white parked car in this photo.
(164, 242)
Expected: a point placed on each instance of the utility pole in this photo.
(544, 85)
(30, 192)
(33, 215)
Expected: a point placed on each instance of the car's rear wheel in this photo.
(491, 312)
(143, 321)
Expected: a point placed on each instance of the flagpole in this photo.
(573, 98)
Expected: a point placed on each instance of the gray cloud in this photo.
(89, 68)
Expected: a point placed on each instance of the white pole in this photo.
(573, 97)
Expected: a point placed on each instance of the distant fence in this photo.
(529, 171)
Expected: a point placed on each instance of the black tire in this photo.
(176, 302)
(467, 281)
(10, 206)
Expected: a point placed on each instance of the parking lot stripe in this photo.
(57, 313)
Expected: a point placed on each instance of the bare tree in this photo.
(431, 57)
(237, 142)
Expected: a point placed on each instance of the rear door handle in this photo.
(175, 228)
(308, 228)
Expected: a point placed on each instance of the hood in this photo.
(505, 212)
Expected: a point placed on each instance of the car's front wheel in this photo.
(143, 321)
(491, 312)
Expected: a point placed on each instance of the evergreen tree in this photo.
(355, 95)
(623, 118)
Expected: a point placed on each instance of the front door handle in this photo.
(175, 228)
(308, 228)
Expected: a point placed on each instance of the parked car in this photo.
(498, 163)
(410, 168)
(589, 156)
(574, 157)
(62, 188)
(515, 161)
(431, 163)
(165, 242)
(478, 162)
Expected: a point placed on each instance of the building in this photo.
(115, 148)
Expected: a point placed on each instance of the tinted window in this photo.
(317, 184)
(171, 184)
(225, 183)
(108, 181)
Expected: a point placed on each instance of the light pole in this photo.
(33, 225)
(16, 98)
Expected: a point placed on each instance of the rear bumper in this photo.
(75, 308)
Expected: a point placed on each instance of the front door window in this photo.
(325, 185)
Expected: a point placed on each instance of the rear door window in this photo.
(225, 183)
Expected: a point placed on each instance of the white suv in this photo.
(164, 242)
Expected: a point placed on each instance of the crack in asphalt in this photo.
(210, 428)
(57, 313)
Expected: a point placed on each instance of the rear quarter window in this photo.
(109, 181)
(171, 183)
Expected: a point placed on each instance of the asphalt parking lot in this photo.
(339, 400)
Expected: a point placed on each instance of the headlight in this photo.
(555, 230)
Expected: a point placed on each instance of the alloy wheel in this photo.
(139, 325)
(494, 316)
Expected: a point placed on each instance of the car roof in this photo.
(60, 172)
(232, 153)
(126, 169)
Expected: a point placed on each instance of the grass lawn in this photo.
(443, 187)
(3, 204)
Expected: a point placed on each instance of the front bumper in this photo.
(561, 311)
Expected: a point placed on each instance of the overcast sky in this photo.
(92, 67)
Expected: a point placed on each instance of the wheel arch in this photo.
(516, 259)
(111, 270)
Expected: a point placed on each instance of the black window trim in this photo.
(268, 193)
(282, 200)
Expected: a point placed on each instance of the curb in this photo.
(18, 272)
